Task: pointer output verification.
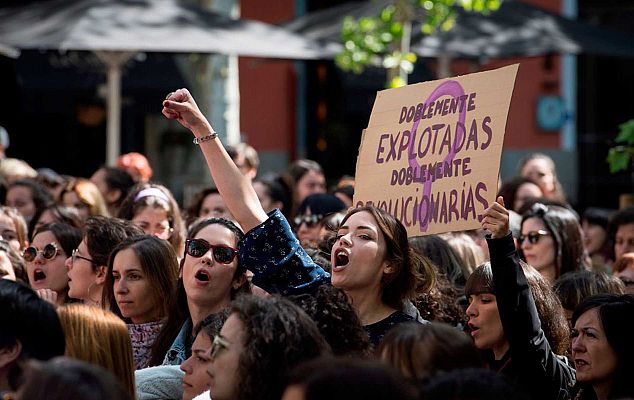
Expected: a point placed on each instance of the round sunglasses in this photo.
(533, 236)
(49, 252)
(198, 247)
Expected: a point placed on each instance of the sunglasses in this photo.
(310, 220)
(533, 236)
(218, 346)
(198, 247)
(49, 252)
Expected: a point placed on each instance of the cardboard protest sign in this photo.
(431, 153)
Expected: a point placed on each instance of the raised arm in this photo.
(543, 373)
(235, 189)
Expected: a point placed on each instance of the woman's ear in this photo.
(10, 353)
(239, 281)
(101, 275)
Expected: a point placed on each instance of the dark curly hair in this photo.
(336, 319)
(412, 274)
(278, 336)
(442, 303)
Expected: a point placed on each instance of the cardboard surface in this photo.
(431, 153)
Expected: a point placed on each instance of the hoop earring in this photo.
(92, 285)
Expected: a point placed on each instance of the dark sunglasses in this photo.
(533, 236)
(198, 247)
(310, 220)
(49, 252)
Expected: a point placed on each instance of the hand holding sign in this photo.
(431, 153)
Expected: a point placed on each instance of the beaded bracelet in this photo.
(207, 138)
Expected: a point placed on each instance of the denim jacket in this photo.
(181, 349)
(279, 264)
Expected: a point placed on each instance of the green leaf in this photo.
(618, 159)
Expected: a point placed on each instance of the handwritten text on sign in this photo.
(431, 153)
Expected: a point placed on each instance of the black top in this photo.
(531, 364)
(377, 330)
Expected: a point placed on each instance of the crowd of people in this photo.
(274, 287)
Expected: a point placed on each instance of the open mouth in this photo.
(202, 276)
(580, 363)
(341, 258)
(38, 275)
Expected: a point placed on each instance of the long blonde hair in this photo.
(99, 337)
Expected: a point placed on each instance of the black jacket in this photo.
(530, 364)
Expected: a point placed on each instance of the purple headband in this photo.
(152, 192)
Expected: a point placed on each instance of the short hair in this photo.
(336, 319)
(351, 379)
(158, 261)
(549, 309)
(19, 223)
(563, 226)
(102, 234)
(136, 202)
(422, 351)
(278, 336)
(63, 378)
(88, 193)
(211, 324)
(615, 314)
(575, 287)
(16, 302)
(412, 273)
(249, 153)
(99, 337)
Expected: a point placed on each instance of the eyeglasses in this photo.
(49, 252)
(74, 256)
(310, 220)
(218, 346)
(198, 247)
(533, 236)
